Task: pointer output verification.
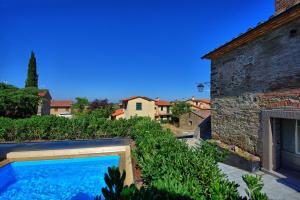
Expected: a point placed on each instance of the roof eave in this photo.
(290, 14)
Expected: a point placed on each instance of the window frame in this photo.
(297, 132)
(136, 106)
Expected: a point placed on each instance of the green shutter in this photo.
(138, 106)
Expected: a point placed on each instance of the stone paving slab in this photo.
(275, 188)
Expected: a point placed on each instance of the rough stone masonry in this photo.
(261, 74)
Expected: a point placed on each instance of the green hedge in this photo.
(60, 128)
(169, 165)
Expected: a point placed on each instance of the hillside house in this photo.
(143, 107)
(193, 119)
(163, 110)
(198, 104)
(118, 114)
(255, 89)
(61, 108)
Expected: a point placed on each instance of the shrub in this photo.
(59, 128)
(254, 187)
(18, 103)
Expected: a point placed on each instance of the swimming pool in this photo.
(72, 178)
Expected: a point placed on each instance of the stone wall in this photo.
(189, 121)
(262, 74)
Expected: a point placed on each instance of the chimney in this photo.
(282, 5)
(193, 98)
(157, 99)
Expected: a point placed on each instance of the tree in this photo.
(180, 108)
(18, 103)
(32, 76)
(80, 104)
(100, 103)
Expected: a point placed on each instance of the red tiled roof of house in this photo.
(162, 103)
(200, 100)
(117, 112)
(204, 101)
(42, 93)
(61, 103)
(134, 97)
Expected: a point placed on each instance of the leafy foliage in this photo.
(180, 108)
(115, 189)
(59, 128)
(170, 169)
(18, 103)
(115, 182)
(100, 103)
(32, 76)
(80, 104)
(254, 187)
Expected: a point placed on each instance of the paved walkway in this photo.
(286, 188)
(276, 188)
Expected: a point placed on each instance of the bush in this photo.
(51, 127)
(18, 103)
(170, 165)
(254, 187)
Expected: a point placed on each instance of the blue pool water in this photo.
(74, 178)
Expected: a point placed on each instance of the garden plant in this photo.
(170, 169)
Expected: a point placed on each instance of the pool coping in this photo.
(123, 151)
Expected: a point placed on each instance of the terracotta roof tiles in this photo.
(61, 103)
(117, 112)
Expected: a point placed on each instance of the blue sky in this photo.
(119, 48)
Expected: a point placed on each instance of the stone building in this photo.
(255, 89)
(192, 120)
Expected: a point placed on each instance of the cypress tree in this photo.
(32, 77)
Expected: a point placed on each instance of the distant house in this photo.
(197, 104)
(45, 102)
(163, 110)
(138, 106)
(255, 81)
(143, 107)
(192, 119)
(61, 108)
(118, 114)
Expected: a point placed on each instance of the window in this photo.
(138, 106)
(161, 108)
(293, 33)
(55, 109)
(190, 123)
(67, 109)
(168, 109)
(297, 135)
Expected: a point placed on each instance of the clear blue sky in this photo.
(119, 48)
